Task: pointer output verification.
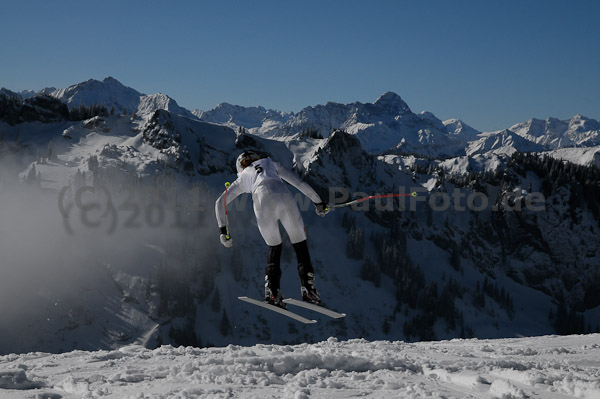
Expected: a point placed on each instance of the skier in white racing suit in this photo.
(273, 203)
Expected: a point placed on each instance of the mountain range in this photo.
(131, 253)
(385, 126)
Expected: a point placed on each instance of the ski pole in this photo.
(413, 194)
(227, 184)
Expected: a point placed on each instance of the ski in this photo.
(316, 308)
(277, 309)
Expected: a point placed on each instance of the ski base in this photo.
(316, 308)
(277, 309)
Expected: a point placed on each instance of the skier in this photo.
(273, 203)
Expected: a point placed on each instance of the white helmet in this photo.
(245, 159)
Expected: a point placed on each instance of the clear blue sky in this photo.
(490, 63)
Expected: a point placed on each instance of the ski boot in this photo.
(308, 291)
(273, 298)
(307, 275)
(272, 276)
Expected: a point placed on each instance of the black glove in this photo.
(321, 209)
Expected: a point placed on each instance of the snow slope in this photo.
(578, 155)
(549, 367)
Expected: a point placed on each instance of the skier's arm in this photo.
(232, 193)
(295, 181)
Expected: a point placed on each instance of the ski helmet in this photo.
(245, 159)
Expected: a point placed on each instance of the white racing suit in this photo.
(272, 200)
(273, 203)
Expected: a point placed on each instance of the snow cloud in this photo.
(64, 255)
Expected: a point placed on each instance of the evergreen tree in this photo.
(225, 326)
(370, 272)
(356, 243)
(568, 321)
(478, 297)
(348, 221)
(455, 258)
(185, 336)
(216, 302)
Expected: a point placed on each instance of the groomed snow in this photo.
(540, 367)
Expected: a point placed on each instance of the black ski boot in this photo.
(273, 275)
(308, 290)
(307, 275)
(274, 298)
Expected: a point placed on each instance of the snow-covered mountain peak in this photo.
(258, 120)
(539, 127)
(392, 102)
(435, 121)
(342, 143)
(341, 151)
(150, 103)
(109, 80)
(341, 161)
(225, 106)
(108, 92)
(429, 116)
(460, 129)
(582, 124)
(21, 95)
(27, 93)
(379, 126)
(111, 93)
(505, 142)
(555, 133)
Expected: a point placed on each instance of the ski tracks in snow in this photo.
(541, 367)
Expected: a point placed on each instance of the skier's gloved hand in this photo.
(227, 242)
(321, 209)
(225, 238)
